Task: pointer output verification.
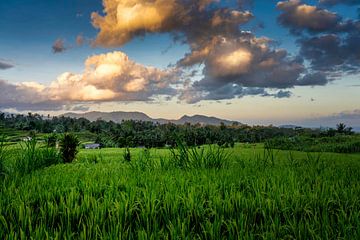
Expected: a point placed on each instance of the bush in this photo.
(51, 140)
(68, 147)
(127, 155)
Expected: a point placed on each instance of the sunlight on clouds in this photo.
(236, 62)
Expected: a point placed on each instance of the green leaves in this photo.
(69, 144)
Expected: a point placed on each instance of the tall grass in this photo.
(291, 196)
(32, 157)
(185, 157)
(3, 157)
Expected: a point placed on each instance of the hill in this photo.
(139, 116)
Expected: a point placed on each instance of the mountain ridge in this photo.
(119, 116)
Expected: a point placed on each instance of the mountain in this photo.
(139, 116)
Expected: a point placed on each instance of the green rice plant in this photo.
(109, 200)
(144, 161)
(267, 158)
(185, 157)
(3, 157)
(30, 157)
(180, 155)
(292, 161)
(49, 156)
(216, 157)
(27, 159)
(315, 162)
(69, 144)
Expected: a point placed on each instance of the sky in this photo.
(257, 62)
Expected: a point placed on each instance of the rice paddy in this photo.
(258, 194)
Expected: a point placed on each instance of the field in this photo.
(255, 193)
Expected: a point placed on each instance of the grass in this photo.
(337, 144)
(259, 194)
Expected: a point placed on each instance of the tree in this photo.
(68, 147)
(340, 127)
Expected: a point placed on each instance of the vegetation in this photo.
(69, 144)
(144, 134)
(259, 193)
(200, 186)
(338, 144)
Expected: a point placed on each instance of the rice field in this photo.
(258, 194)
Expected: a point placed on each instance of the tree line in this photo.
(132, 133)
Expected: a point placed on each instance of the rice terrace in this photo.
(180, 119)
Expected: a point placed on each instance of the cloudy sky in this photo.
(258, 62)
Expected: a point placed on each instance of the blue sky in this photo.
(29, 29)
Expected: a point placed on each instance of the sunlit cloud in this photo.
(106, 77)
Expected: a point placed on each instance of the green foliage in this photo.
(301, 196)
(338, 144)
(3, 156)
(51, 140)
(69, 144)
(185, 157)
(32, 157)
(127, 155)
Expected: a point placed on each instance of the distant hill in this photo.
(139, 116)
(290, 126)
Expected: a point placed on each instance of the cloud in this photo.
(124, 20)
(106, 77)
(246, 65)
(235, 63)
(350, 118)
(5, 65)
(59, 46)
(298, 17)
(80, 40)
(113, 76)
(25, 96)
(327, 41)
(332, 53)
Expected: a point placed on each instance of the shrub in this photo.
(51, 140)
(127, 155)
(68, 147)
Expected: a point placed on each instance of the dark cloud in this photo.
(232, 65)
(79, 108)
(283, 94)
(328, 42)
(5, 65)
(350, 118)
(332, 53)
(313, 79)
(298, 17)
(25, 96)
(59, 46)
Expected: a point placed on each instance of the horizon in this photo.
(255, 62)
(306, 123)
